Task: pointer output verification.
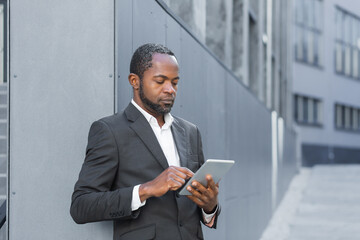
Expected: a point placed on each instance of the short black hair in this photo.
(142, 57)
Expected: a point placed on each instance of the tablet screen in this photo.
(215, 167)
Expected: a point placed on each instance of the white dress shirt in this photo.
(166, 141)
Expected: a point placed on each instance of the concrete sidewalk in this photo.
(322, 202)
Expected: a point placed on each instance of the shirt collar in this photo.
(151, 119)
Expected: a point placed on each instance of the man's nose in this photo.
(169, 88)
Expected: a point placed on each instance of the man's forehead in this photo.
(163, 58)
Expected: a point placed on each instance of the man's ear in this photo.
(134, 81)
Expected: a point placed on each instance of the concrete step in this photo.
(3, 87)
(3, 111)
(3, 127)
(3, 97)
(3, 145)
(2, 185)
(3, 163)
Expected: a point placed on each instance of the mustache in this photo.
(168, 99)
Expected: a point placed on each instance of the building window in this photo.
(347, 44)
(308, 22)
(308, 110)
(347, 117)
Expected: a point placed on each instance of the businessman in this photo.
(137, 159)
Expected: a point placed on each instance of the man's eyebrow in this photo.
(165, 77)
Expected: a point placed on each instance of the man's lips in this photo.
(167, 101)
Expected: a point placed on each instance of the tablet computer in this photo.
(215, 167)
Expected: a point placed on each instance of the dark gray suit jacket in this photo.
(122, 152)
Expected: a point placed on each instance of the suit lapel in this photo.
(143, 129)
(180, 141)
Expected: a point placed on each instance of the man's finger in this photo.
(199, 187)
(177, 172)
(194, 192)
(200, 191)
(211, 182)
(174, 179)
(185, 171)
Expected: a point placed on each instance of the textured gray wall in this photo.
(233, 123)
(61, 56)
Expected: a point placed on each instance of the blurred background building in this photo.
(252, 38)
(326, 80)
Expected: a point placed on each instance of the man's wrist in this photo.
(135, 201)
(213, 210)
(208, 217)
(144, 192)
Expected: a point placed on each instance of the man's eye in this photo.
(175, 83)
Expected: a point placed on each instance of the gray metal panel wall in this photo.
(61, 59)
(233, 123)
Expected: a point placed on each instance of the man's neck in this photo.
(159, 117)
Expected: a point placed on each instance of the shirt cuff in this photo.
(136, 202)
(209, 217)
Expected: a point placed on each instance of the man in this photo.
(137, 159)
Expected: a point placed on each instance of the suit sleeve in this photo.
(201, 161)
(93, 199)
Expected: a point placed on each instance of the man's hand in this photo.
(169, 180)
(204, 197)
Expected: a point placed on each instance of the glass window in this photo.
(310, 53)
(311, 14)
(308, 31)
(338, 116)
(299, 13)
(339, 57)
(310, 110)
(307, 110)
(354, 30)
(300, 109)
(347, 117)
(355, 63)
(339, 21)
(355, 122)
(316, 49)
(347, 60)
(347, 29)
(315, 111)
(347, 44)
(299, 43)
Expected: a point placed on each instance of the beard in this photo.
(157, 108)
